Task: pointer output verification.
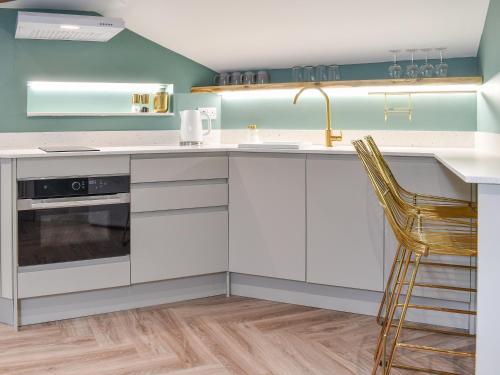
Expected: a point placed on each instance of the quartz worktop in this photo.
(310, 149)
(471, 165)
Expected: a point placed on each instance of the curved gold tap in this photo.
(329, 136)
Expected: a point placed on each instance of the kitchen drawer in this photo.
(73, 166)
(167, 196)
(173, 244)
(71, 277)
(178, 168)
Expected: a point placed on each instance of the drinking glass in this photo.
(395, 68)
(224, 79)
(427, 70)
(248, 78)
(442, 67)
(309, 73)
(262, 77)
(321, 73)
(333, 72)
(236, 78)
(297, 74)
(412, 70)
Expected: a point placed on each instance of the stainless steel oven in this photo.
(73, 219)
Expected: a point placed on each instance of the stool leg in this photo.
(392, 353)
(397, 260)
(388, 287)
(384, 331)
(392, 296)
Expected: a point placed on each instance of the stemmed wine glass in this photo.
(442, 67)
(427, 70)
(395, 68)
(412, 70)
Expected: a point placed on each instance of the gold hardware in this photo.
(160, 102)
(145, 98)
(252, 126)
(396, 110)
(423, 225)
(329, 136)
(136, 98)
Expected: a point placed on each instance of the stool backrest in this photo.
(399, 215)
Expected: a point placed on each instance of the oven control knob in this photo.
(76, 185)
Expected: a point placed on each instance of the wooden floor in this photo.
(208, 336)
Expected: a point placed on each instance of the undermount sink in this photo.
(274, 145)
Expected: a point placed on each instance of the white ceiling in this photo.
(249, 34)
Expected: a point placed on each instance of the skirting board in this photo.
(45, 309)
(6, 311)
(341, 299)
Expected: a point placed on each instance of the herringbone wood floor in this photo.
(208, 336)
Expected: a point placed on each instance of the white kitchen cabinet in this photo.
(267, 234)
(196, 166)
(172, 244)
(426, 175)
(345, 225)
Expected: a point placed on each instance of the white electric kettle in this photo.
(192, 127)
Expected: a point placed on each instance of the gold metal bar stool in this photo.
(428, 205)
(419, 236)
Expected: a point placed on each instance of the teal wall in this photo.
(431, 112)
(126, 58)
(458, 67)
(488, 101)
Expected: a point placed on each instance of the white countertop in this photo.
(470, 165)
(314, 149)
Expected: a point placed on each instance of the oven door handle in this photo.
(98, 200)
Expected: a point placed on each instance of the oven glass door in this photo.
(73, 233)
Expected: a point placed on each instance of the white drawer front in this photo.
(73, 279)
(179, 168)
(73, 166)
(159, 196)
(166, 245)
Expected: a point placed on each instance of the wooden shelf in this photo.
(98, 114)
(448, 84)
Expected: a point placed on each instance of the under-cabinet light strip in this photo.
(96, 86)
(355, 91)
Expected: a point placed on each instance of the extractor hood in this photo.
(53, 26)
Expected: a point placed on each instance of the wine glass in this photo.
(427, 70)
(442, 67)
(333, 72)
(412, 70)
(395, 69)
(297, 74)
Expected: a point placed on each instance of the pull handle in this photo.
(209, 129)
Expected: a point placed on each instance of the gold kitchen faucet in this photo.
(329, 136)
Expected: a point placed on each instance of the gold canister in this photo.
(145, 98)
(161, 102)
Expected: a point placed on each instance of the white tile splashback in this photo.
(230, 136)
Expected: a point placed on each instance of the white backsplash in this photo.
(230, 136)
(383, 137)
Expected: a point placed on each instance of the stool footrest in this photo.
(422, 369)
(434, 349)
(438, 308)
(440, 286)
(445, 265)
(443, 331)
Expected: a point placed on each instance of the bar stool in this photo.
(430, 206)
(419, 236)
